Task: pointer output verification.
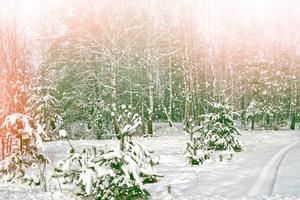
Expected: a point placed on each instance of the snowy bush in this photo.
(125, 123)
(196, 148)
(142, 156)
(106, 174)
(216, 133)
(20, 167)
(23, 162)
(218, 129)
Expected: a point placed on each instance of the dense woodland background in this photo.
(167, 59)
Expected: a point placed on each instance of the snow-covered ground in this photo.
(267, 152)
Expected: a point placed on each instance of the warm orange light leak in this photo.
(251, 25)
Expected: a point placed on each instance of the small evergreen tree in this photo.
(42, 105)
(23, 147)
(111, 174)
(105, 174)
(196, 147)
(218, 129)
(125, 123)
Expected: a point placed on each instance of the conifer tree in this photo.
(219, 130)
(42, 105)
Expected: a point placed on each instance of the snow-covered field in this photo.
(268, 167)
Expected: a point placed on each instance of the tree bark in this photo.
(122, 143)
(293, 121)
(151, 106)
(3, 146)
(143, 118)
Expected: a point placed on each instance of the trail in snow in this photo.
(264, 184)
(228, 179)
(288, 176)
(20, 192)
(214, 180)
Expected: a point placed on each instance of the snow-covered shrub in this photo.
(142, 156)
(111, 174)
(21, 138)
(125, 123)
(196, 149)
(218, 129)
(21, 167)
(106, 174)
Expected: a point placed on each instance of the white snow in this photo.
(265, 182)
(288, 176)
(27, 129)
(123, 106)
(229, 179)
(17, 192)
(62, 133)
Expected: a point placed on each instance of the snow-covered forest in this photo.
(149, 99)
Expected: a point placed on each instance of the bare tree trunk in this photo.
(294, 91)
(170, 79)
(130, 91)
(293, 105)
(151, 105)
(187, 98)
(150, 64)
(3, 145)
(243, 120)
(114, 83)
(143, 118)
(21, 143)
(252, 123)
(122, 143)
(293, 121)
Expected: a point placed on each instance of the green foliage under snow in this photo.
(216, 133)
(108, 174)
